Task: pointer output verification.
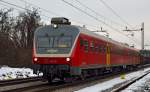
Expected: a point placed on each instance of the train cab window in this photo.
(45, 42)
(92, 46)
(63, 42)
(86, 46)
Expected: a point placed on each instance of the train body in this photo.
(145, 54)
(66, 50)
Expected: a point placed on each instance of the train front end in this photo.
(53, 48)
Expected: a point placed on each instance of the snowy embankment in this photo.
(143, 85)
(108, 85)
(13, 73)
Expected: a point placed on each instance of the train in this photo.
(145, 56)
(62, 50)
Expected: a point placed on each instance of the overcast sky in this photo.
(134, 12)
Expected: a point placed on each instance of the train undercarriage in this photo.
(67, 74)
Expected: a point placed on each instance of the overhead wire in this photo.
(70, 18)
(48, 11)
(19, 7)
(62, 0)
(98, 13)
(97, 19)
(115, 13)
(51, 12)
(6, 5)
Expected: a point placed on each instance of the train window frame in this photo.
(104, 49)
(86, 45)
(58, 41)
(101, 49)
(96, 48)
(48, 44)
(92, 46)
(54, 40)
(81, 41)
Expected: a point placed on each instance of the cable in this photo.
(20, 7)
(68, 3)
(85, 12)
(98, 13)
(96, 18)
(94, 11)
(48, 11)
(39, 7)
(5, 5)
(51, 12)
(115, 13)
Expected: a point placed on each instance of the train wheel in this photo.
(83, 75)
(49, 81)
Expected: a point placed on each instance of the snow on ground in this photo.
(111, 83)
(12, 73)
(143, 85)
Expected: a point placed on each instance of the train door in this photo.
(108, 55)
(84, 49)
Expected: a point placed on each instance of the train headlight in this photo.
(55, 26)
(67, 59)
(35, 59)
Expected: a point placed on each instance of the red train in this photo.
(62, 50)
(145, 56)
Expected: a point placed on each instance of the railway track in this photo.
(36, 85)
(86, 83)
(127, 84)
(17, 81)
(39, 86)
(76, 85)
(8, 85)
(59, 86)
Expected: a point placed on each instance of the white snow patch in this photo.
(13, 73)
(143, 85)
(111, 83)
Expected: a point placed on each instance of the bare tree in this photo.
(16, 35)
(26, 23)
(5, 21)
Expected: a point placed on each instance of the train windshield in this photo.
(54, 44)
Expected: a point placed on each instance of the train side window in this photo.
(86, 45)
(104, 49)
(129, 53)
(96, 48)
(111, 50)
(92, 46)
(100, 49)
(81, 42)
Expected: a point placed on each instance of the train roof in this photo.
(90, 33)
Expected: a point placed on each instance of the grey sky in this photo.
(133, 11)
